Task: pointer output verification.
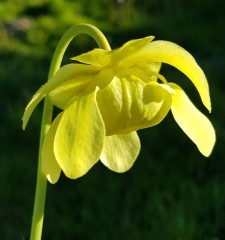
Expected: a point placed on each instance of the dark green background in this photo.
(172, 191)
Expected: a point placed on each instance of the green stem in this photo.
(41, 185)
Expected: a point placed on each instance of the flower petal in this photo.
(50, 167)
(96, 57)
(79, 137)
(128, 104)
(76, 87)
(130, 48)
(100, 57)
(145, 72)
(196, 125)
(80, 86)
(171, 53)
(120, 151)
(157, 99)
(64, 74)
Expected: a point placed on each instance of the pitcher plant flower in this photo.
(104, 98)
(108, 95)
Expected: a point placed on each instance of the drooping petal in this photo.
(196, 125)
(64, 74)
(120, 151)
(171, 53)
(50, 167)
(128, 104)
(79, 137)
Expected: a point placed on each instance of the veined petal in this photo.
(64, 74)
(79, 137)
(120, 151)
(196, 125)
(50, 167)
(171, 53)
(128, 104)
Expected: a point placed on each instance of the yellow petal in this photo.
(103, 78)
(100, 57)
(77, 87)
(130, 48)
(196, 125)
(120, 151)
(145, 72)
(171, 53)
(96, 57)
(64, 74)
(128, 104)
(157, 99)
(50, 167)
(61, 95)
(79, 137)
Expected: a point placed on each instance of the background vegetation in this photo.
(172, 192)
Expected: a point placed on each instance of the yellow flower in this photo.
(110, 95)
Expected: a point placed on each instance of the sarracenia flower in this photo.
(108, 96)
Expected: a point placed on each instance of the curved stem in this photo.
(41, 185)
(88, 29)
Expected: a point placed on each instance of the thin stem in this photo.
(90, 30)
(41, 185)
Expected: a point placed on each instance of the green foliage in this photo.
(171, 192)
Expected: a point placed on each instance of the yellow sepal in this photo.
(195, 124)
(79, 137)
(178, 57)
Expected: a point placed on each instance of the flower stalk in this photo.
(41, 184)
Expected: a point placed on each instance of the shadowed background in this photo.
(172, 192)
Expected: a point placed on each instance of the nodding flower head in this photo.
(106, 96)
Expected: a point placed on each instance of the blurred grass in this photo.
(172, 192)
